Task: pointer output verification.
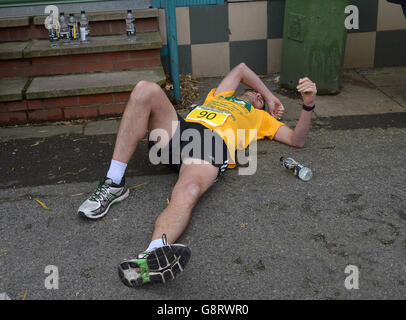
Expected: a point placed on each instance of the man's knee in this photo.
(145, 91)
(188, 193)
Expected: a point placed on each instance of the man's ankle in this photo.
(116, 171)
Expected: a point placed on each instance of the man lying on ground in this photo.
(213, 128)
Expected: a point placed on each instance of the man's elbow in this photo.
(241, 67)
(297, 144)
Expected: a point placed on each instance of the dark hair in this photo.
(265, 104)
(249, 90)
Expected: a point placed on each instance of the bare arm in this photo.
(297, 137)
(243, 74)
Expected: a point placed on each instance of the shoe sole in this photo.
(164, 264)
(101, 215)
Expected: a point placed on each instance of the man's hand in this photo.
(308, 90)
(275, 107)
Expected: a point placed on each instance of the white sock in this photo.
(157, 243)
(116, 171)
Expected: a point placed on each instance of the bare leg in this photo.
(193, 182)
(161, 264)
(148, 108)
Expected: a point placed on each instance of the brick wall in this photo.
(63, 108)
(80, 63)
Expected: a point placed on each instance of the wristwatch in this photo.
(308, 108)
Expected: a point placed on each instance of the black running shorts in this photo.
(198, 143)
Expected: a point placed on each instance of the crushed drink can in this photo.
(300, 171)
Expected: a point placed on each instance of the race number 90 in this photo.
(206, 114)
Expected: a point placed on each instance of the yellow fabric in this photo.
(242, 116)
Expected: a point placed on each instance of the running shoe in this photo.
(156, 266)
(106, 194)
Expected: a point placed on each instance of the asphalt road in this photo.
(264, 236)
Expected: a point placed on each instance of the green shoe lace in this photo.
(100, 192)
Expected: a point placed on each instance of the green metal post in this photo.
(172, 38)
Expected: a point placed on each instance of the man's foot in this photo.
(156, 266)
(106, 194)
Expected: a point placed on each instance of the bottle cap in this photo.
(128, 11)
(83, 11)
(305, 174)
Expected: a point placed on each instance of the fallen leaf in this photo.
(25, 294)
(138, 185)
(35, 144)
(77, 194)
(104, 220)
(42, 204)
(385, 242)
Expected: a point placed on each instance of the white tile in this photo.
(360, 50)
(162, 26)
(182, 25)
(248, 20)
(274, 55)
(390, 16)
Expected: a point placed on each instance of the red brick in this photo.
(45, 115)
(146, 25)
(118, 27)
(38, 32)
(152, 62)
(48, 60)
(34, 104)
(13, 117)
(96, 99)
(7, 72)
(81, 58)
(3, 107)
(100, 28)
(40, 70)
(144, 54)
(61, 102)
(130, 64)
(65, 68)
(122, 96)
(98, 66)
(111, 109)
(18, 33)
(23, 71)
(4, 35)
(16, 105)
(80, 112)
(14, 63)
(110, 56)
